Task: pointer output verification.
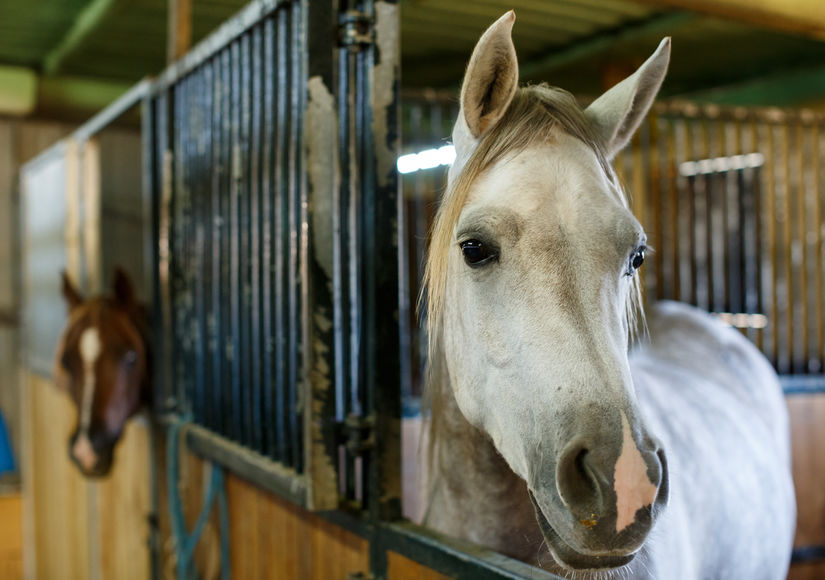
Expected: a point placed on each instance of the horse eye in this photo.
(636, 260)
(130, 357)
(476, 253)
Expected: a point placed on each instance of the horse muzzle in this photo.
(597, 517)
(92, 455)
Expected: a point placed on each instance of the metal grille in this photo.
(273, 148)
(234, 210)
(733, 203)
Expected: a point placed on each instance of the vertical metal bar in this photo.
(226, 190)
(819, 197)
(256, 215)
(767, 205)
(281, 250)
(787, 285)
(386, 212)
(811, 240)
(799, 253)
(235, 198)
(199, 215)
(684, 205)
(753, 211)
(217, 227)
(267, 216)
(244, 235)
(163, 108)
(299, 222)
(701, 263)
(206, 315)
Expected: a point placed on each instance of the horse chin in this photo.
(570, 558)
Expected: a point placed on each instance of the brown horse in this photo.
(103, 362)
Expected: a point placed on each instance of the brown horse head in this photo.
(103, 363)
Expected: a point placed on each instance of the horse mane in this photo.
(532, 118)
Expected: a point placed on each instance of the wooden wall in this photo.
(20, 141)
(269, 536)
(808, 442)
(75, 527)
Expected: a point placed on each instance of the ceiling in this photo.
(81, 53)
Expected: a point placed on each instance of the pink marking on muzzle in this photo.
(83, 451)
(634, 490)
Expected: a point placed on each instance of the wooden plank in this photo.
(179, 39)
(11, 537)
(91, 195)
(123, 507)
(401, 568)
(807, 413)
(56, 493)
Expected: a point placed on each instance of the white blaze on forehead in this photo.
(90, 348)
(634, 489)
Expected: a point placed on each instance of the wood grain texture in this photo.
(11, 537)
(807, 414)
(270, 538)
(401, 568)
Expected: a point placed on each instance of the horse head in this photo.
(531, 285)
(102, 362)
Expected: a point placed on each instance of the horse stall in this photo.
(251, 193)
(80, 199)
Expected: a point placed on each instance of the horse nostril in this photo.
(581, 482)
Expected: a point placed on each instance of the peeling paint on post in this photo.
(323, 176)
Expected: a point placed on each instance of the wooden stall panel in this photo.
(808, 443)
(11, 537)
(123, 505)
(57, 495)
(401, 568)
(270, 538)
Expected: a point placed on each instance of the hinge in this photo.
(356, 433)
(355, 29)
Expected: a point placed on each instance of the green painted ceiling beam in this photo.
(87, 21)
(18, 90)
(602, 43)
(784, 89)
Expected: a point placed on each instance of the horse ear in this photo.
(491, 78)
(124, 291)
(70, 293)
(618, 113)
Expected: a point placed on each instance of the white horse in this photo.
(550, 431)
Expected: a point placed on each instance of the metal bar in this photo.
(255, 217)
(819, 222)
(249, 465)
(220, 39)
(211, 267)
(802, 384)
(225, 224)
(281, 239)
(269, 377)
(107, 116)
(454, 558)
(787, 285)
(199, 216)
(234, 241)
(243, 264)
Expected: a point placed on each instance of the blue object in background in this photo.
(6, 458)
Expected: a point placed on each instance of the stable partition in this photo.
(78, 214)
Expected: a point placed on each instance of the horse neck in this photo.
(473, 493)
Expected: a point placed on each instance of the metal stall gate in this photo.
(271, 156)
